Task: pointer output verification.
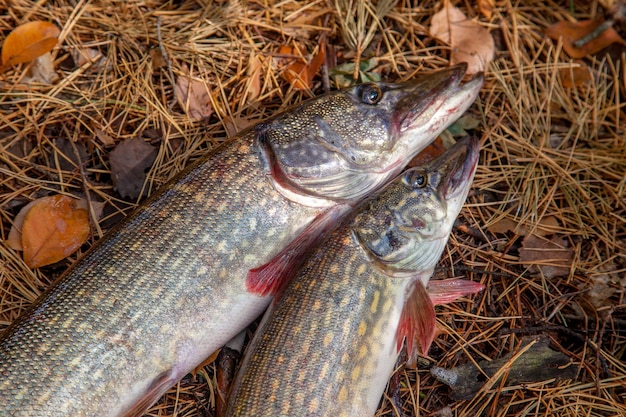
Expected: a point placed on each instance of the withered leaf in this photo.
(42, 71)
(298, 72)
(431, 152)
(486, 7)
(550, 257)
(130, 161)
(470, 42)
(547, 226)
(29, 41)
(573, 31)
(193, 95)
(575, 76)
(53, 228)
(66, 159)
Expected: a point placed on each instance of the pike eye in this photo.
(371, 94)
(419, 180)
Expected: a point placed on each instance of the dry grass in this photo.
(547, 151)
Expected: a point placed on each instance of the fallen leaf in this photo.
(42, 71)
(104, 137)
(603, 284)
(14, 240)
(298, 72)
(28, 41)
(158, 61)
(547, 225)
(234, 125)
(575, 76)
(54, 228)
(254, 78)
(550, 257)
(430, 153)
(469, 41)
(486, 7)
(194, 96)
(130, 161)
(66, 158)
(570, 32)
(87, 55)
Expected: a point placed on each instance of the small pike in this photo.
(328, 344)
(202, 258)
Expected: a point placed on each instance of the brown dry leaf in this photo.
(194, 96)
(130, 161)
(547, 226)
(486, 7)
(575, 76)
(551, 257)
(254, 78)
(603, 285)
(14, 240)
(29, 41)
(42, 71)
(158, 61)
(54, 228)
(431, 152)
(469, 41)
(573, 31)
(298, 73)
(104, 137)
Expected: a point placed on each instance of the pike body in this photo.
(328, 344)
(202, 258)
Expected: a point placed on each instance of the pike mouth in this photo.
(439, 106)
(459, 167)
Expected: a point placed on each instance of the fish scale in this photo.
(202, 258)
(85, 312)
(328, 344)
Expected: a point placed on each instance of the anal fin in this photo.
(269, 278)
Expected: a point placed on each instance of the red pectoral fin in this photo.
(449, 290)
(417, 321)
(269, 278)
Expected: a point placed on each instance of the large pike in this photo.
(202, 258)
(328, 344)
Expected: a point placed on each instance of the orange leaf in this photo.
(576, 76)
(299, 73)
(53, 229)
(486, 7)
(573, 31)
(29, 41)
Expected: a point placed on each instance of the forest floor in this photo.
(544, 228)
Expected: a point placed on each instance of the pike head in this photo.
(405, 232)
(341, 146)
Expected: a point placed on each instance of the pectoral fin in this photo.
(418, 320)
(269, 278)
(446, 291)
